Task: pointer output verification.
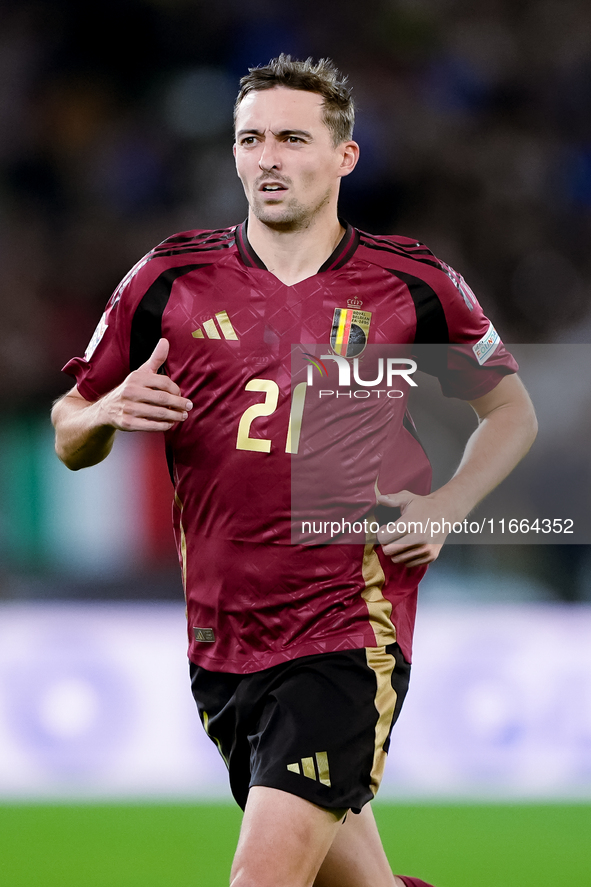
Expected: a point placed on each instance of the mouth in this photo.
(272, 187)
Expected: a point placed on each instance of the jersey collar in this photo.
(344, 249)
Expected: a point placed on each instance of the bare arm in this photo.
(506, 429)
(145, 401)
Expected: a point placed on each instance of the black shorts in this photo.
(318, 727)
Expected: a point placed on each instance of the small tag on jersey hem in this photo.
(204, 635)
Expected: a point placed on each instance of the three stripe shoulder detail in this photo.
(195, 242)
(413, 250)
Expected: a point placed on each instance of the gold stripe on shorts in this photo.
(382, 664)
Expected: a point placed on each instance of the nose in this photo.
(269, 158)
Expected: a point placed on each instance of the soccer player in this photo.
(299, 652)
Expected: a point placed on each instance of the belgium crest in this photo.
(349, 332)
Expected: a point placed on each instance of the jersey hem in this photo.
(268, 660)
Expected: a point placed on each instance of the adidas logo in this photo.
(211, 331)
(313, 769)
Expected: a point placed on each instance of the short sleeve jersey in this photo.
(254, 355)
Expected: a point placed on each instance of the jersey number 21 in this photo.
(268, 406)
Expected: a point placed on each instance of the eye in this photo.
(294, 140)
(247, 140)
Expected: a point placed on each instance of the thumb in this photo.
(395, 500)
(158, 356)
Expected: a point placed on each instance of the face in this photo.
(286, 159)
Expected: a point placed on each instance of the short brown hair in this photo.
(322, 77)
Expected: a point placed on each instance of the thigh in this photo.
(283, 840)
(356, 857)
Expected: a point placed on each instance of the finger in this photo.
(129, 407)
(397, 547)
(154, 412)
(150, 388)
(401, 533)
(415, 562)
(158, 356)
(411, 552)
(395, 500)
(416, 556)
(390, 533)
(138, 424)
(161, 396)
(149, 420)
(418, 562)
(148, 381)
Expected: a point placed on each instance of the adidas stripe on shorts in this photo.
(318, 726)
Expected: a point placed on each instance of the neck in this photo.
(293, 256)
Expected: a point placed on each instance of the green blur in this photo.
(159, 845)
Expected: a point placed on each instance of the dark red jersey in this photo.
(289, 426)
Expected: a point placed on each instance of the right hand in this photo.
(146, 400)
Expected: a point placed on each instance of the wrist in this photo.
(452, 503)
(102, 419)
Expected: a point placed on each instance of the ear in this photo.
(235, 161)
(349, 157)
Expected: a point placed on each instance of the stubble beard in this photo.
(294, 216)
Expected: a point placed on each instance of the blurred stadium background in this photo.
(475, 127)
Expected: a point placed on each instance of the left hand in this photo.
(506, 429)
(409, 539)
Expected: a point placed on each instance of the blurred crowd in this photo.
(474, 122)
